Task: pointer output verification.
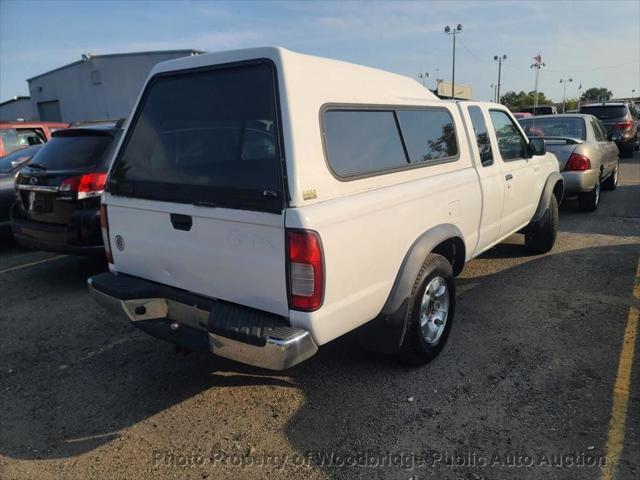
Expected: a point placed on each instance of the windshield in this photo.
(572, 127)
(604, 112)
(73, 152)
(207, 136)
(12, 161)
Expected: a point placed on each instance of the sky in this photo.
(594, 43)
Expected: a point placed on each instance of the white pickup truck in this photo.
(263, 203)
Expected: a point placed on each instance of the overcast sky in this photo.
(595, 43)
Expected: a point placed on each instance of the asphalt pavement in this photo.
(538, 379)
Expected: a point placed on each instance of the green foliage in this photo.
(515, 101)
(594, 94)
(570, 104)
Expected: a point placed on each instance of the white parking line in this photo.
(31, 264)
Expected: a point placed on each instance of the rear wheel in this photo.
(540, 236)
(430, 313)
(612, 180)
(589, 201)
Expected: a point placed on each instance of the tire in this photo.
(627, 151)
(612, 180)
(541, 236)
(417, 348)
(589, 201)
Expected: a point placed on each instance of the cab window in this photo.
(510, 142)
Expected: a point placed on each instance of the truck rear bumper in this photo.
(196, 323)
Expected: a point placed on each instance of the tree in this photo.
(595, 94)
(570, 104)
(515, 101)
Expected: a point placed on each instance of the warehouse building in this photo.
(17, 108)
(97, 87)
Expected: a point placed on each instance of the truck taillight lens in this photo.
(85, 186)
(306, 270)
(626, 125)
(104, 228)
(577, 163)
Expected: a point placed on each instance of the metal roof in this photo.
(187, 52)
(15, 99)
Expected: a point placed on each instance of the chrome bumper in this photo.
(180, 323)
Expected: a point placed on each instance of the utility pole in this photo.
(537, 66)
(499, 59)
(564, 81)
(453, 31)
(493, 88)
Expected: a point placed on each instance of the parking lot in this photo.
(524, 388)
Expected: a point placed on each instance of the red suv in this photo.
(15, 135)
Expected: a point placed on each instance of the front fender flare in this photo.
(386, 331)
(550, 186)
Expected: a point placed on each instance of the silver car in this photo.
(588, 159)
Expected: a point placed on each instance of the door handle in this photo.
(181, 222)
(508, 177)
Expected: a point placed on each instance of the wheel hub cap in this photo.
(434, 310)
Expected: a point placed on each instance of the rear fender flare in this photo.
(386, 331)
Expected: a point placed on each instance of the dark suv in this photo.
(58, 194)
(620, 120)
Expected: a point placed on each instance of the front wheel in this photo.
(541, 236)
(430, 312)
(612, 180)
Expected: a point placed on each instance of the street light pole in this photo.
(499, 59)
(423, 77)
(493, 88)
(537, 66)
(453, 31)
(564, 81)
(579, 95)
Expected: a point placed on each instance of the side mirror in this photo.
(537, 146)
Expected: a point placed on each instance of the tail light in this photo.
(626, 125)
(85, 186)
(306, 270)
(104, 228)
(577, 163)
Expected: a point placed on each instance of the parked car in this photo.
(9, 166)
(520, 115)
(264, 202)
(618, 118)
(58, 194)
(541, 110)
(16, 135)
(588, 160)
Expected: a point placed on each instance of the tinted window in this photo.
(207, 136)
(73, 152)
(604, 112)
(429, 135)
(9, 140)
(510, 141)
(572, 127)
(482, 136)
(363, 141)
(600, 137)
(9, 162)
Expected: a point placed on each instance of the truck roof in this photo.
(316, 78)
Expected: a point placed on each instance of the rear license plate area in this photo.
(37, 202)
